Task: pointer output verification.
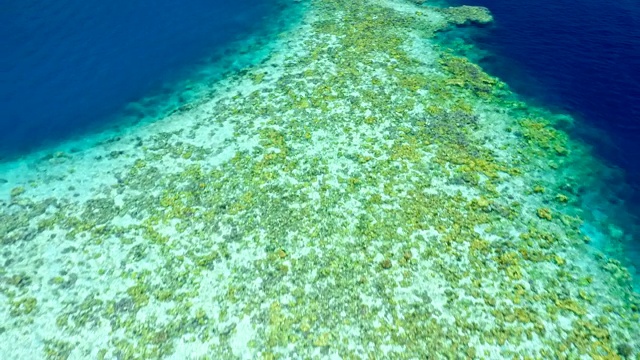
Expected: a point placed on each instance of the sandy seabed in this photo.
(360, 193)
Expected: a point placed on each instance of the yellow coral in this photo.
(544, 213)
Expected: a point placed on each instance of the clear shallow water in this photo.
(276, 219)
(67, 66)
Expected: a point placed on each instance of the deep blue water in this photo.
(581, 57)
(67, 65)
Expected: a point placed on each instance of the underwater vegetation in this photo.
(466, 15)
(363, 193)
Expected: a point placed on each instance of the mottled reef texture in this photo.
(363, 193)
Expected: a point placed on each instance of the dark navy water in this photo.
(582, 57)
(67, 65)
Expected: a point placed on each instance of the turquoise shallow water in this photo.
(359, 189)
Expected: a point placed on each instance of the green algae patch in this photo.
(23, 306)
(139, 295)
(17, 191)
(57, 349)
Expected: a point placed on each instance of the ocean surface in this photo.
(319, 179)
(69, 66)
(577, 57)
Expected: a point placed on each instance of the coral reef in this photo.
(360, 194)
(464, 15)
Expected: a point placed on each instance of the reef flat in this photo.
(362, 193)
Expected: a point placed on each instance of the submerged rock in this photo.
(467, 15)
